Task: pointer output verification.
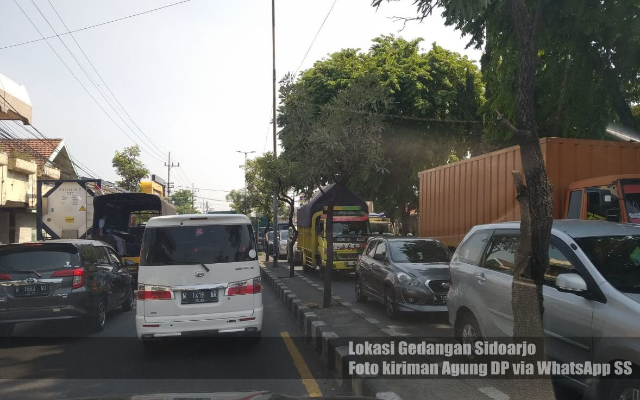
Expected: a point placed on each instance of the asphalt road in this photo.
(409, 324)
(45, 361)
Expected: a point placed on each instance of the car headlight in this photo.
(407, 279)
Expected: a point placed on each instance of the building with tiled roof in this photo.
(51, 153)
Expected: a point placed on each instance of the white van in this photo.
(199, 276)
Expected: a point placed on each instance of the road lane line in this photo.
(307, 379)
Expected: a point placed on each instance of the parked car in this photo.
(297, 257)
(405, 274)
(261, 239)
(591, 294)
(282, 244)
(61, 280)
(199, 276)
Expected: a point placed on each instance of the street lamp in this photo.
(245, 175)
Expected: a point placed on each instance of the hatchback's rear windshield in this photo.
(37, 257)
(212, 244)
(418, 251)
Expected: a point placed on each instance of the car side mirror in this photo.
(571, 283)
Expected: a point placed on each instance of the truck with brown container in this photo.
(592, 179)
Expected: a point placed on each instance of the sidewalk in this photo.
(330, 331)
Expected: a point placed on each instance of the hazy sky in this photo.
(196, 77)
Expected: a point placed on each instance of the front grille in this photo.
(438, 286)
(347, 256)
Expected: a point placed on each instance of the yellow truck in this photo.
(350, 229)
(381, 225)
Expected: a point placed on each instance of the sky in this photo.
(196, 78)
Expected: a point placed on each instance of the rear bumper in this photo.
(49, 314)
(212, 325)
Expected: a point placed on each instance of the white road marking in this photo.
(493, 393)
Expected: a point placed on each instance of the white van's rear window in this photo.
(211, 244)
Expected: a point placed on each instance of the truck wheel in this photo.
(320, 267)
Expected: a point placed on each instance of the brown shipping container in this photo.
(480, 190)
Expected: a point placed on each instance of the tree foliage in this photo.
(588, 67)
(430, 111)
(130, 168)
(183, 201)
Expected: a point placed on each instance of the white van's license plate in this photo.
(200, 296)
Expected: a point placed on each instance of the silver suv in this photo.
(591, 294)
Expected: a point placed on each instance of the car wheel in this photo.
(470, 332)
(6, 330)
(360, 297)
(97, 321)
(624, 389)
(129, 301)
(390, 304)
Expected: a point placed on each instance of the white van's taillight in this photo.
(250, 286)
(154, 292)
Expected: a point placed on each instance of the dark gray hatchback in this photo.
(405, 274)
(61, 279)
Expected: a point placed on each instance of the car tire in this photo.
(390, 307)
(624, 389)
(469, 332)
(360, 297)
(97, 321)
(6, 330)
(129, 301)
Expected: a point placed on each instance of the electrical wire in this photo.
(161, 152)
(315, 37)
(161, 159)
(97, 25)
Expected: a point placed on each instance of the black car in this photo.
(59, 280)
(405, 274)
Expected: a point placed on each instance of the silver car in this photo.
(591, 295)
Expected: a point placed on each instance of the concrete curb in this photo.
(333, 350)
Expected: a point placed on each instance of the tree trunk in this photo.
(328, 269)
(266, 243)
(536, 204)
(294, 232)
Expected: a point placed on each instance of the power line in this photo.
(90, 80)
(102, 80)
(314, 38)
(97, 25)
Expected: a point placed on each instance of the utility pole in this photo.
(245, 177)
(275, 138)
(193, 198)
(170, 165)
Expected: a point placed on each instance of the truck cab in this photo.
(612, 198)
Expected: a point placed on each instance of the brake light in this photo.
(5, 277)
(78, 274)
(153, 292)
(250, 286)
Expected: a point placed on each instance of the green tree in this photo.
(339, 142)
(432, 111)
(130, 168)
(522, 20)
(183, 201)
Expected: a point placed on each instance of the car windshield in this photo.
(210, 244)
(352, 228)
(617, 258)
(39, 258)
(418, 251)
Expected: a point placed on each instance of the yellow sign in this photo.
(82, 208)
(68, 220)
